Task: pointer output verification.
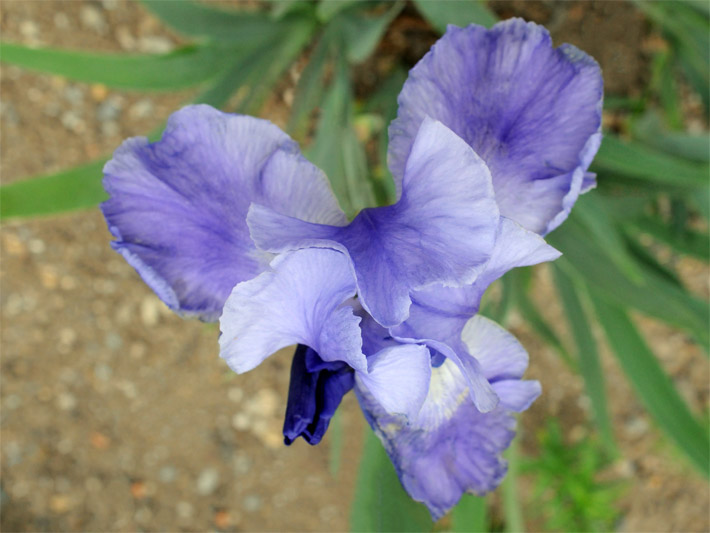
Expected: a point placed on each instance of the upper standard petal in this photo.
(178, 207)
(531, 111)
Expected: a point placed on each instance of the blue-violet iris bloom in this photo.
(225, 219)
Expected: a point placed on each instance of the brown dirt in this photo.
(119, 416)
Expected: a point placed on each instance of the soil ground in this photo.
(119, 416)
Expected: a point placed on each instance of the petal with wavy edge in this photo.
(178, 207)
(531, 111)
(300, 301)
(452, 448)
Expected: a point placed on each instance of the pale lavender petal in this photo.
(499, 353)
(529, 110)
(178, 207)
(398, 378)
(452, 448)
(517, 395)
(300, 301)
(442, 229)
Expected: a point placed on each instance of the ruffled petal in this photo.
(398, 378)
(315, 392)
(451, 447)
(178, 207)
(442, 229)
(531, 111)
(300, 301)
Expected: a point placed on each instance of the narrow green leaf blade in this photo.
(250, 28)
(380, 502)
(533, 316)
(685, 242)
(76, 188)
(592, 213)
(310, 86)
(653, 385)
(589, 363)
(185, 67)
(440, 13)
(275, 60)
(656, 296)
(80, 187)
(512, 510)
(336, 149)
(362, 31)
(636, 161)
(469, 515)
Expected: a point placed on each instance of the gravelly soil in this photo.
(119, 416)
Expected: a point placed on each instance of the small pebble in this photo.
(103, 371)
(150, 311)
(36, 246)
(141, 109)
(61, 21)
(110, 128)
(167, 474)
(251, 503)
(66, 401)
(109, 109)
(207, 481)
(241, 421)
(125, 38)
(92, 18)
(60, 503)
(72, 122)
(241, 463)
(184, 509)
(235, 394)
(74, 94)
(154, 44)
(12, 402)
(29, 30)
(113, 341)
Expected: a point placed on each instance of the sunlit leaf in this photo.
(656, 297)
(589, 364)
(685, 242)
(592, 212)
(77, 188)
(185, 67)
(336, 149)
(274, 63)
(531, 314)
(469, 515)
(638, 162)
(252, 28)
(653, 385)
(512, 510)
(362, 31)
(310, 86)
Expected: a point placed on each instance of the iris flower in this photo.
(225, 219)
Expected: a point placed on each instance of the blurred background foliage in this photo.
(651, 200)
